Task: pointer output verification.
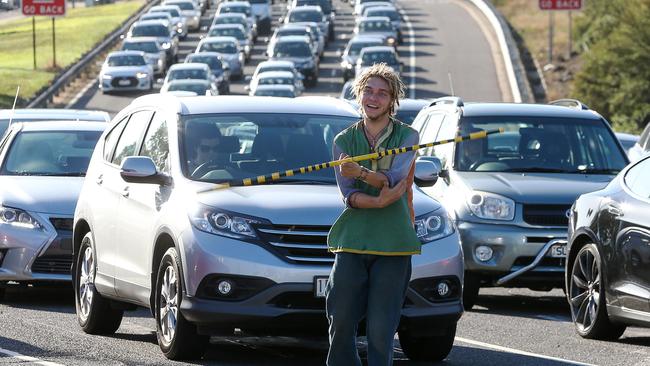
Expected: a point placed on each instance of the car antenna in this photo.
(451, 84)
(13, 108)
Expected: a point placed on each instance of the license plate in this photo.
(125, 82)
(558, 251)
(320, 283)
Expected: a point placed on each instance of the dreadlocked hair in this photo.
(385, 72)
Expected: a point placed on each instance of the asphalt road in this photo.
(507, 327)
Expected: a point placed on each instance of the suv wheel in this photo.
(471, 287)
(428, 348)
(94, 313)
(177, 337)
(587, 297)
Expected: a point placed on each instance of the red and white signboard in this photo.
(50, 8)
(560, 4)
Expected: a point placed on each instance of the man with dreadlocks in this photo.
(374, 237)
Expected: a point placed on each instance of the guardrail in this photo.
(515, 71)
(72, 72)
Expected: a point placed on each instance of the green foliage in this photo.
(615, 78)
(76, 33)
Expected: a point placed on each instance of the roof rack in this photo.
(457, 101)
(570, 103)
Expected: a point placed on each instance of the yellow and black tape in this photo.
(400, 150)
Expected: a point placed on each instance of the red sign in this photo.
(50, 8)
(560, 4)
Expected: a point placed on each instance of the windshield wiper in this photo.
(536, 170)
(596, 171)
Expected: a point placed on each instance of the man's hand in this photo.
(351, 169)
(389, 195)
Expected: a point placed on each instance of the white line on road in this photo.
(411, 42)
(80, 94)
(519, 352)
(20, 357)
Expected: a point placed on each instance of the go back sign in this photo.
(51, 8)
(560, 4)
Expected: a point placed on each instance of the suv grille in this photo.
(298, 244)
(546, 215)
(56, 264)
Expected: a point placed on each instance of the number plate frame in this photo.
(320, 284)
(557, 251)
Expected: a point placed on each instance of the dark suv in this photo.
(511, 192)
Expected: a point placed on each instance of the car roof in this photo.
(231, 4)
(627, 136)
(246, 104)
(151, 22)
(366, 38)
(189, 65)
(140, 39)
(157, 7)
(413, 104)
(275, 87)
(378, 49)
(293, 39)
(526, 110)
(55, 114)
(374, 19)
(217, 39)
(62, 126)
(307, 8)
(188, 81)
(388, 6)
(230, 15)
(228, 25)
(293, 26)
(276, 63)
(275, 74)
(204, 54)
(126, 53)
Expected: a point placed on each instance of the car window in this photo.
(131, 136)
(305, 16)
(148, 47)
(124, 60)
(150, 31)
(540, 144)
(156, 144)
(222, 47)
(645, 136)
(428, 130)
(188, 74)
(447, 130)
(292, 49)
(637, 178)
(111, 139)
(51, 153)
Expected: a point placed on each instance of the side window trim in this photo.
(140, 138)
(118, 126)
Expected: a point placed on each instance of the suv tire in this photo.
(471, 287)
(586, 281)
(177, 338)
(428, 348)
(94, 313)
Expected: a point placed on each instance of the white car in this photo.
(234, 30)
(43, 168)
(280, 65)
(275, 78)
(198, 87)
(189, 71)
(153, 51)
(239, 7)
(235, 18)
(189, 10)
(378, 54)
(314, 14)
(178, 21)
(125, 70)
(228, 48)
(296, 30)
(49, 114)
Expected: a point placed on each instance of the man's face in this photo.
(206, 150)
(376, 99)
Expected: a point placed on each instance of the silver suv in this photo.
(511, 193)
(147, 233)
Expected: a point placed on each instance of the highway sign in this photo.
(560, 4)
(50, 8)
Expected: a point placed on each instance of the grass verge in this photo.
(76, 34)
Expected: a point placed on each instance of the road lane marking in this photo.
(81, 93)
(519, 352)
(20, 357)
(411, 35)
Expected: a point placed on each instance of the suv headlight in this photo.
(433, 226)
(491, 206)
(141, 75)
(223, 223)
(19, 218)
(166, 45)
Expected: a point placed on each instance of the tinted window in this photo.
(275, 93)
(305, 16)
(128, 143)
(540, 144)
(52, 153)
(292, 49)
(199, 89)
(375, 26)
(150, 31)
(188, 74)
(132, 60)
(371, 58)
(228, 32)
(275, 81)
(111, 139)
(184, 5)
(148, 47)
(212, 62)
(156, 145)
(222, 47)
(356, 47)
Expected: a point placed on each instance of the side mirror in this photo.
(427, 171)
(141, 169)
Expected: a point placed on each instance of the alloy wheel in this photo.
(585, 290)
(169, 304)
(86, 282)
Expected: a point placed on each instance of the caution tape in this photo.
(311, 168)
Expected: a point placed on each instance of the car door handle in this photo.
(614, 211)
(125, 191)
(100, 179)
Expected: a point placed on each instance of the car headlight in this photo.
(390, 40)
(491, 206)
(223, 223)
(180, 26)
(166, 45)
(433, 226)
(141, 75)
(19, 218)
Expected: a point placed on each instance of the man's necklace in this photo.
(372, 139)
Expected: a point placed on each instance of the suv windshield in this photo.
(221, 47)
(150, 31)
(192, 87)
(236, 9)
(531, 144)
(375, 26)
(228, 32)
(187, 74)
(305, 16)
(183, 5)
(53, 153)
(252, 144)
(371, 58)
(275, 81)
(292, 49)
